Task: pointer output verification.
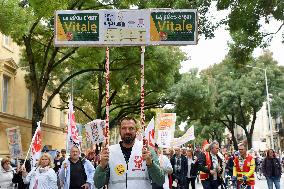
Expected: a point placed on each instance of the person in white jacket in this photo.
(6, 174)
(42, 176)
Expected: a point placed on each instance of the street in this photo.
(260, 184)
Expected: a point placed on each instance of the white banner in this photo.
(95, 131)
(189, 135)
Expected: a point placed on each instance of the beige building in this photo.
(16, 103)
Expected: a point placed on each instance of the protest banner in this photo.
(14, 142)
(189, 135)
(165, 128)
(125, 27)
(95, 131)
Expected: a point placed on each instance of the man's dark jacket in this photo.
(202, 166)
(180, 176)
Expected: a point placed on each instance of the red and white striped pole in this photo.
(107, 97)
(142, 101)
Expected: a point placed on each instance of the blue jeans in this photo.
(271, 180)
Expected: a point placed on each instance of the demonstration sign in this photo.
(125, 27)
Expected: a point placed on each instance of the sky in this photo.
(209, 52)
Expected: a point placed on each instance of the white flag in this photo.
(72, 135)
(36, 145)
(150, 133)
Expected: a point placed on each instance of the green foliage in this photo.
(244, 24)
(191, 96)
(15, 21)
(124, 80)
(225, 96)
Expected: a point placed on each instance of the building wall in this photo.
(17, 113)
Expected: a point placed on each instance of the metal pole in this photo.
(268, 107)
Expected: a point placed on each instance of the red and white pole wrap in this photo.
(107, 97)
(142, 89)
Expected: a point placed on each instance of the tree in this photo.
(240, 93)
(124, 81)
(191, 97)
(229, 96)
(213, 131)
(30, 24)
(245, 23)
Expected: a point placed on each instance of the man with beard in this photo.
(128, 164)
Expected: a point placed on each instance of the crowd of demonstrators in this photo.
(271, 168)
(42, 176)
(76, 172)
(132, 164)
(128, 164)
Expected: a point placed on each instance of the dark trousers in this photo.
(210, 184)
(191, 181)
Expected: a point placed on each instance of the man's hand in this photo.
(85, 186)
(212, 172)
(219, 169)
(146, 155)
(24, 171)
(104, 156)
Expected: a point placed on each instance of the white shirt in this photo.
(189, 162)
(215, 164)
(166, 166)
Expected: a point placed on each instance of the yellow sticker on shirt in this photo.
(119, 169)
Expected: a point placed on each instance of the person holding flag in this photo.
(75, 172)
(42, 176)
(35, 146)
(128, 164)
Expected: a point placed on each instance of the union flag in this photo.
(36, 145)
